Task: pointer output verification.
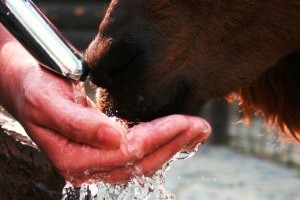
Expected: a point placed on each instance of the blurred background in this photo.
(239, 162)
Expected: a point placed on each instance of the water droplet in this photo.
(139, 99)
(92, 85)
(79, 93)
(185, 154)
(139, 187)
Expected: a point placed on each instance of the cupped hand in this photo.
(145, 147)
(82, 143)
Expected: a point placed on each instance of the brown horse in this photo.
(158, 57)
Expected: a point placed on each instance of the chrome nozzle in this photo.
(40, 37)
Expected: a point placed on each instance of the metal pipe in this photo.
(42, 39)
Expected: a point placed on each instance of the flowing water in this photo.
(139, 187)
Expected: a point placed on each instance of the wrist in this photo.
(15, 65)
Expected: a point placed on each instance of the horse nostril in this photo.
(119, 55)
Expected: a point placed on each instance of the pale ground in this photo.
(220, 173)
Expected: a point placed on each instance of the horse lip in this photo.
(108, 66)
(174, 105)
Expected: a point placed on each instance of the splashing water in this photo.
(139, 187)
(79, 92)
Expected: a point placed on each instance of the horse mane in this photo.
(276, 96)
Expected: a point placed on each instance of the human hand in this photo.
(38, 98)
(145, 147)
(82, 143)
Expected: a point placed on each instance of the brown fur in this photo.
(158, 57)
(275, 95)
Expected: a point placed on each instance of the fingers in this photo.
(199, 123)
(73, 157)
(79, 163)
(83, 125)
(145, 138)
(50, 103)
(198, 132)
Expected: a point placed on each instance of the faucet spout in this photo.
(42, 39)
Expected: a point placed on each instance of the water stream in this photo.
(139, 187)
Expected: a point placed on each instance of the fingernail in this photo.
(200, 125)
(206, 128)
(108, 138)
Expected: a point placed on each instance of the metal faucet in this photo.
(42, 39)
